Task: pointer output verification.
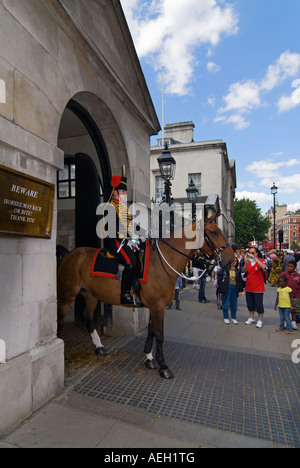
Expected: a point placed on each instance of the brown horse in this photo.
(165, 263)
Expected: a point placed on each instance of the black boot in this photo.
(127, 280)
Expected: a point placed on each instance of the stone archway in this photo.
(94, 150)
(108, 130)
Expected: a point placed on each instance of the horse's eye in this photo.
(214, 233)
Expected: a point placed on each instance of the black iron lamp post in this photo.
(274, 191)
(167, 165)
(192, 194)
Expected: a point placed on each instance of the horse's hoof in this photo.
(101, 351)
(151, 364)
(166, 373)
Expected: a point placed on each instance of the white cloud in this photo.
(286, 66)
(212, 67)
(293, 207)
(168, 32)
(296, 83)
(211, 100)
(268, 171)
(243, 97)
(268, 166)
(287, 103)
(286, 184)
(220, 119)
(237, 120)
(264, 173)
(259, 197)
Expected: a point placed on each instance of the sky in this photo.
(233, 68)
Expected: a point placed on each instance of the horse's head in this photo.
(215, 244)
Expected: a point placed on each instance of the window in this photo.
(197, 181)
(159, 187)
(162, 142)
(66, 182)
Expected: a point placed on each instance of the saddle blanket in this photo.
(107, 266)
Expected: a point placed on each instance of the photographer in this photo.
(255, 268)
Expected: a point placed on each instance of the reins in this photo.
(170, 266)
(174, 248)
(215, 251)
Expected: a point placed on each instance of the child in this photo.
(284, 301)
(293, 281)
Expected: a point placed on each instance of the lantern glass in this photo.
(167, 164)
(274, 189)
(192, 192)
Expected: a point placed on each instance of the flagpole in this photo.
(163, 106)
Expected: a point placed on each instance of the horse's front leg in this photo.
(158, 328)
(150, 362)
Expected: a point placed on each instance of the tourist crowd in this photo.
(249, 275)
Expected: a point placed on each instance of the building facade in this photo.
(207, 163)
(290, 225)
(74, 109)
(280, 211)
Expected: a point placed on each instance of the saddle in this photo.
(106, 265)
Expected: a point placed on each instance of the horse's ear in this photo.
(212, 218)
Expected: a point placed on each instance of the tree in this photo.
(250, 223)
(294, 246)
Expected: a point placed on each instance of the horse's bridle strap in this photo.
(174, 248)
(207, 240)
(223, 248)
(210, 244)
(209, 222)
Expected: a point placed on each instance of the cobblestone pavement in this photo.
(233, 386)
(241, 393)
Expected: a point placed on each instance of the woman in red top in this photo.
(255, 285)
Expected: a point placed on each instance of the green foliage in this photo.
(250, 223)
(294, 246)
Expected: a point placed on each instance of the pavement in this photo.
(235, 386)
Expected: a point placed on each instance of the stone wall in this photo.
(52, 51)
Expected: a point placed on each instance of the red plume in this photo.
(115, 181)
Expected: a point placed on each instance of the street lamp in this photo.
(192, 194)
(274, 191)
(167, 165)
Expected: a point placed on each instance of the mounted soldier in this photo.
(165, 264)
(118, 245)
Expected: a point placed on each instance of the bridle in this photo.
(208, 259)
(215, 253)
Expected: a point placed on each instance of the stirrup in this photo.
(127, 299)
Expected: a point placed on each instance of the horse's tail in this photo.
(61, 252)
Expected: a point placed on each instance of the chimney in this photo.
(183, 132)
